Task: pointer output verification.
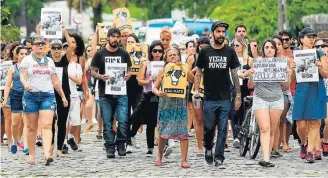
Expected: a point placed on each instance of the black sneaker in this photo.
(266, 164)
(275, 154)
(72, 143)
(65, 149)
(110, 154)
(209, 156)
(121, 150)
(149, 153)
(218, 163)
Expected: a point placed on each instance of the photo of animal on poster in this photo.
(122, 19)
(102, 33)
(306, 68)
(175, 80)
(51, 22)
(138, 53)
(4, 67)
(155, 67)
(115, 85)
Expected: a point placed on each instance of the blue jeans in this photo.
(216, 113)
(33, 102)
(118, 105)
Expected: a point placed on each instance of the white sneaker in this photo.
(236, 143)
(134, 143)
(129, 149)
(172, 143)
(94, 121)
(167, 150)
(84, 121)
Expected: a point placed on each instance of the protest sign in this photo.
(201, 87)
(115, 85)
(4, 67)
(102, 32)
(270, 69)
(51, 19)
(155, 67)
(306, 69)
(138, 53)
(122, 20)
(179, 32)
(175, 80)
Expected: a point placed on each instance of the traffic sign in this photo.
(78, 18)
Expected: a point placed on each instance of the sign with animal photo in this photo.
(175, 80)
(201, 87)
(306, 68)
(51, 19)
(102, 33)
(138, 53)
(122, 19)
(4, 67)
(155, 67)
(270, 69)
(115, 85)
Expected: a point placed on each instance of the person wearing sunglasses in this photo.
(183, 51)
(39, 78)
(287, 40)
(15, 87)
(320, 45)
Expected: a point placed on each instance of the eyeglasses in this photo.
(236, 46)
(255, 46)
(285, 39)
(182, 49)
(157, 51)
(320, 46)
(40, 43)
(56, 48)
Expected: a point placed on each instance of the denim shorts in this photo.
(259, 103)
(33, 102)
(16, 101)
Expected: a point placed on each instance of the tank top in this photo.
(17, 84)
(148, 87)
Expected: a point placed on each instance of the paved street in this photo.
(92, 162)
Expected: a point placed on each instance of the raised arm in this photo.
(69, 51)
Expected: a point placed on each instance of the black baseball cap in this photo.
(307, 31)
(113, 31)
(219, 24)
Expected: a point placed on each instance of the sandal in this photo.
(88, 129)
(185, 165)
(99, 137)
(48, 161)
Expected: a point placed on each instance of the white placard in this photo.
(51, 19)
(270, 69)
(306, 69)
(59, 73)
(4, 67)
(155, 67)
(115, 85)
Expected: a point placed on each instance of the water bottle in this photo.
(197, 101)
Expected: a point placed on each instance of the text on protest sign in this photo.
(175, 80)
(115, 85)
(270, 70)
(51, 19)
(306, 69)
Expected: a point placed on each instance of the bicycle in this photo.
(249, 133)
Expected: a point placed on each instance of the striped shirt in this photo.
(269, 92)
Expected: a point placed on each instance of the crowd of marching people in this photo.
(39, 107)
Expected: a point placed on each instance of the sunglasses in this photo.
(285, 39)
(56, 48)
(255, 46)
(40, 43)
(157, 50)
(236, 46)
(182, 49)
(321, 46)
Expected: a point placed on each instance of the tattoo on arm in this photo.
(197, 78)
(94, 73)
(235, 79)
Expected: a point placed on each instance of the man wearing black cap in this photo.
(216, 60)
(110, 104)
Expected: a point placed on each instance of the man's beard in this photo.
(218, 40)
(114, 44)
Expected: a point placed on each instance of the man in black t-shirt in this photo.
(110, 104)
(216, 60)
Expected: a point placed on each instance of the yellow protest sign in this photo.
(102, 33)
(122, 19)
(201, 87)
(175, 80)
(138, 53)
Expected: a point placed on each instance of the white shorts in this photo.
(74, 112)
(259, 103)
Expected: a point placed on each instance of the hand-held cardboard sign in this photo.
(51, 19)
(102, 33)
(179, 31)
(201, 87)
(122, 20)
(175, 80)
(270, 69)
(306, 68)
(138, 53)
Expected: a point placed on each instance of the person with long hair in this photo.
(15, 86)
(38, 76)
(196, 114)
(170, 123)
(166, 37)
(147, 108)
(240, 45)
(268, 104)
(307, 95)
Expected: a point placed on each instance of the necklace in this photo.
(38, 60)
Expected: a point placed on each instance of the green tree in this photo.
(9, 33)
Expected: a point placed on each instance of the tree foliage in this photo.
(9, 33)
(261, 16)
